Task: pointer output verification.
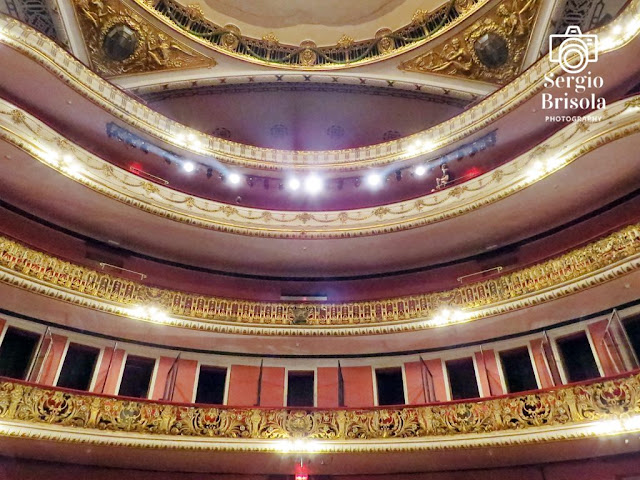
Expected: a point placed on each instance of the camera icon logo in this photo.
(576, 51)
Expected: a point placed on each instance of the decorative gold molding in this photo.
(424, 27)
(37, 139)
(508, 25)
(588, 410)
(150, 49)
(45, 52)
(596, 263)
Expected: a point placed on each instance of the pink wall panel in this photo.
(417, 392)
(488, 373)
(243, 386)
(164, 365)
(53, 360)
(327, 380)
(597, 331)
(109, 371)
(272, 391)
(540, 365)
(440, 386)
(185, 381)
(358, 386)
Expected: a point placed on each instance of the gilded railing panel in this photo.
(424, 27)
(133, 113)
(619, 247)
(572, 405)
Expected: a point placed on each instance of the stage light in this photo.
(293, 184)
(374, 180)
(234, 178)
(313, 184)
(420, 170)
(188, 166)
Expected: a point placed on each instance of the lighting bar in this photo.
(304, 298)
(103, 264)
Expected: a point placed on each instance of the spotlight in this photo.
(293, 184)
(420, 170)
(234, 179)
(188, 166)
(374, 180)
(313, 184)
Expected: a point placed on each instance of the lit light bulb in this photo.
(188, 167)
(313, 184)
(293, 184)
(234, 178)
(374, 180)
(420, 170)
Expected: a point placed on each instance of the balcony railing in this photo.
(608, 406)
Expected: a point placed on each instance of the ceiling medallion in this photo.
(120, 42)
(491, 50)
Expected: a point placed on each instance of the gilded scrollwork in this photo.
(510, 287)
(424, 27)
(503, 34)
(563, 407)
(140, 47)
(46, 53)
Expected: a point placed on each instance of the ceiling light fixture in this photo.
(313, 184)
(374, 180)
(234, 178)
(293, 184)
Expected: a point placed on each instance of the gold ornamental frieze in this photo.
(121, 42)
(589, 409)
(491, 50)
(601, 261)
(570, 144)
(44, 51)
(424, 27)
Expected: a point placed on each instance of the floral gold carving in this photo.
(154, 50)
(511, 22)
(569, 406)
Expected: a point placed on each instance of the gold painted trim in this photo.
(133, 113)
(601, 407)
(153, 51)
(566, 146)
(308, 52)
(604, 260)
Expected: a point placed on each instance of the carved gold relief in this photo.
(505, 31)
(141, 47)
(542, 277)
(571, 406)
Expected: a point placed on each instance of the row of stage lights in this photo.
(311, 184)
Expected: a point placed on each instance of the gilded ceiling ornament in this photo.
(271, 39)
(120, 42)
(386, 43)
(425, 26)
(230, 39)
(345, 41)
(308, 56)
(195, 11)
(491, 50)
